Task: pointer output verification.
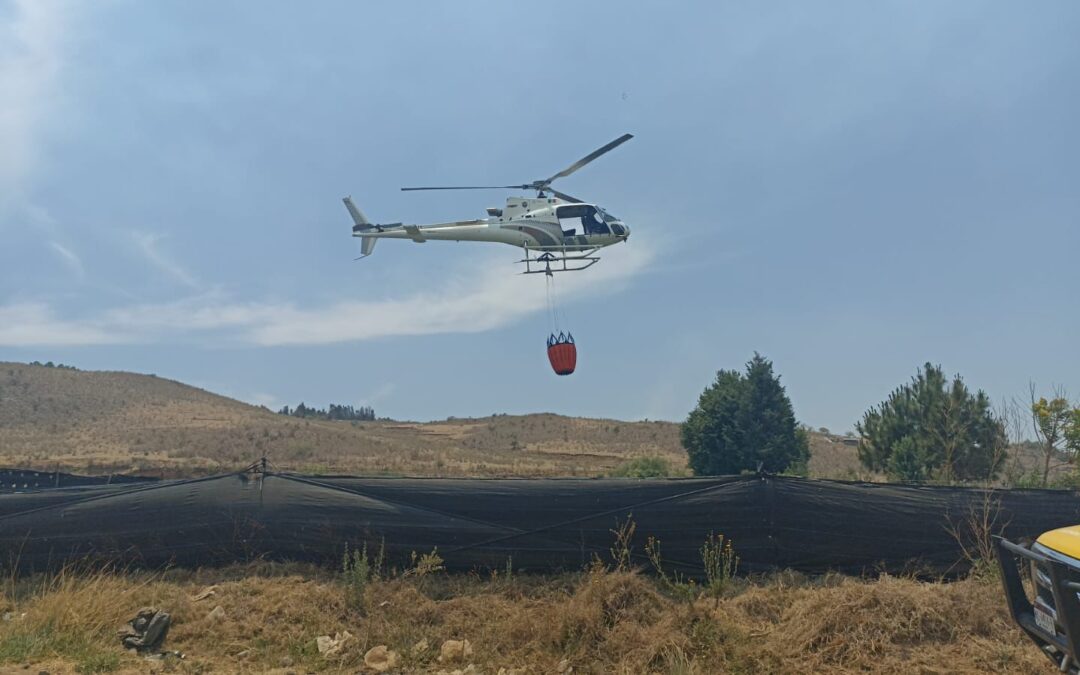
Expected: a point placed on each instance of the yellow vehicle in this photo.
(1050, 615)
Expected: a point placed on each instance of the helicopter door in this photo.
(584, 216)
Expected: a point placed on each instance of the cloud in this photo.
(147, 243)
(486, 298)
(475, 303)
(30, 61)
(35, 325)
(68, 256)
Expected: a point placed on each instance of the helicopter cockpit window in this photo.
(585, 215)
(608, 218)
(614, 223)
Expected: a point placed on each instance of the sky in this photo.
(851, 189)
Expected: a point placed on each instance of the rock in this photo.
(380, 659)
(216, 614)
(564, 667)
(332, 646)
(420, 647)
(455, 650)
(205, 593)
(146, 631)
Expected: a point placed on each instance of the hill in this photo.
(88, 421)
(102, 422)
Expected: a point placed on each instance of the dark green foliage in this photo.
(50, 364)
(334, 412)
(742, 421)
(931, 429)
(643, 467)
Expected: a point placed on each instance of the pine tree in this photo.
(933, 429)
(742, 422)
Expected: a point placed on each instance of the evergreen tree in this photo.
(743, 421)
(933, 429)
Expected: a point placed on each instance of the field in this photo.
(601, 620)
(598, 621)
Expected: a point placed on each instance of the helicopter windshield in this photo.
(587, 215)
(608, 218)
(614, 223)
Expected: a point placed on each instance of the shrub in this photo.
(643, 467)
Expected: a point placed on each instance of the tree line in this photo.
(931, 429)
(331, 412)
(50, 364)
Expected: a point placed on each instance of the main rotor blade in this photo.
(588, 158)
(471, 187)
(565, 197)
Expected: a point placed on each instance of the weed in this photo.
(622, 548)
(718, 557)
(426, 564)
(675, 583)
(974, 532)
(358, 572)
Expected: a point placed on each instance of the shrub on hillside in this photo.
(743, 422)
(933, 429)
(643, 467)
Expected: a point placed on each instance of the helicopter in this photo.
(558, 232)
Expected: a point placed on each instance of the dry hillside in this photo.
(107, 421)
(100, 422)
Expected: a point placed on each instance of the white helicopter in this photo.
(556, 229)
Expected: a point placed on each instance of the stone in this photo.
(206, 593)
(455, 650)
(381, 659)
(216, 614)
(332, 646)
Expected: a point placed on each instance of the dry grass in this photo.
(599, 621)
(102, 422)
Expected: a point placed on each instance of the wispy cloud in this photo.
(36, 325)
(68, 256)
(487, 298)
(147, 243)
(30, 60)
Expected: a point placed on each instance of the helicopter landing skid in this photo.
(550, 262)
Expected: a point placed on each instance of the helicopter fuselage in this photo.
(541, 224)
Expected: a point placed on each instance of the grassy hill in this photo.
(97, 422)
(109, 421)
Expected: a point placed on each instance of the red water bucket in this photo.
(562, 353)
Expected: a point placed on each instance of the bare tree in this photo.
(1014, 419)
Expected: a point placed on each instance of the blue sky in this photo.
(849, 188)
